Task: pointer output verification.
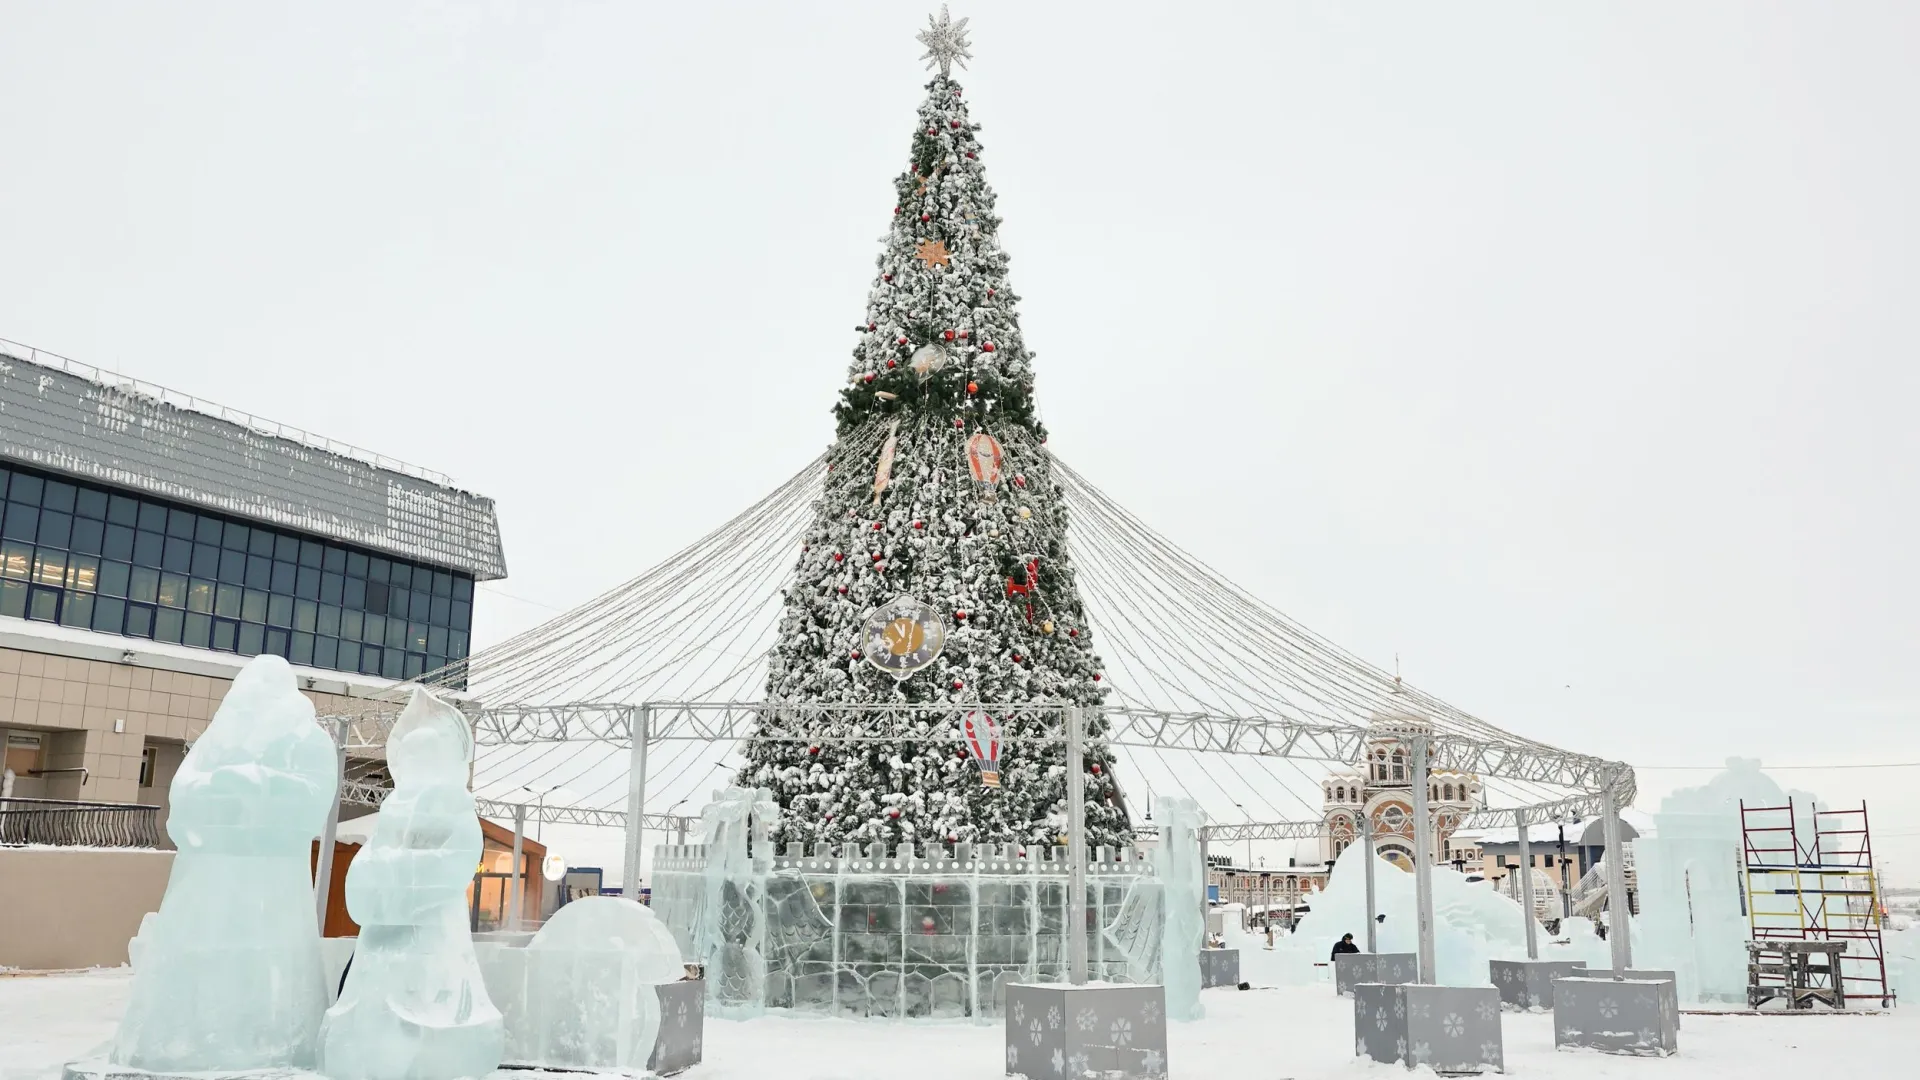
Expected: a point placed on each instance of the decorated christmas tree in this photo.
(936, 569)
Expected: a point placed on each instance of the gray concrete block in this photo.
(1352, 969)
(1528, 984)
(1452, 1030)
(1055, 1030)
(1619, 1016)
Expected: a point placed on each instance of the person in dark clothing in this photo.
(1344, 945)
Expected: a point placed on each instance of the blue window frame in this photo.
(118, 563)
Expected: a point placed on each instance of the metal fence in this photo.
(78, 824)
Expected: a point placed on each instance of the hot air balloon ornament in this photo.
(983, 742)
(983, 458)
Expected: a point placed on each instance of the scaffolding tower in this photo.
(1823, 889)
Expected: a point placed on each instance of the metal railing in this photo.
(59, 823)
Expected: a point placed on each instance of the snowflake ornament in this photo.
(1154, 1063)
(946, 43)
(1487, 1009)
(1035, 1032)
(1053, 1017)
(1059, 1061)
(1013, 1056)
(1122, 1032)
(1150, 1013)
(1078, 1064)
(1609, 1008)
(1453, 1024)
(1085, 1020)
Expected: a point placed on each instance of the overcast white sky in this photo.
(1568, 353)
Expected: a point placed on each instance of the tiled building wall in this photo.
(73, 705)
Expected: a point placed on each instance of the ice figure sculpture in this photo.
(731, 936)
(1185, 883)
(590, 978)
(229, 974)
(414, 1006)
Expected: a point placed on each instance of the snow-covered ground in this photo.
(1299, 1032)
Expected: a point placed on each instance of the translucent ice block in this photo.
(228, 975)
(590, 978)
(415, 1006)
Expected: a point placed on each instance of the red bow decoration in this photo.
(1033, 579)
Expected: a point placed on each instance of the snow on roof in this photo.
(75, 419)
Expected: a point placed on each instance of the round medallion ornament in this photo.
(903, 635)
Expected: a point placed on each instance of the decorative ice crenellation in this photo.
(229, 975)
(1184, 880)
(590, 1000)
(414, 1006)
(907, 932)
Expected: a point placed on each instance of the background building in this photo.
(1380, 786)
(150, 543)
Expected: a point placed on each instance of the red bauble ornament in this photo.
(876, 556)
(814, 750)
(963, 335)
(959, 423)
(886, 277)
(842, 590)
(891, 362)
(989, 292)
(969, 155)
(1073, 633)
(953, 123)
(926, 218)
(876, 526)
(1019, 480)
(972, 387)
(839, 556)
(1096, 768)
(926, 923)
(1096, 676)
(894, 813)
(933, 131)
(949, 335)
(958, 685)
(855, 654)
(873, 326)
(868, 377)
(902, 341)
(879, 568)
(1016, 658)
(896, 209)
(919, 524)
(961, 615)
(986, 346)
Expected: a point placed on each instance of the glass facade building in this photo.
(117, 561)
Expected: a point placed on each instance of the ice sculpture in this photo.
(1472, 923)
(229, 974)
(1691, 920)
(731, 935)
(415, 1006)
(1185, 884)
(590, 1001)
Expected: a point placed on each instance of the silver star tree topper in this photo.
(946, 43)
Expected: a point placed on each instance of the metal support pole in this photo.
(1422, 859)
(1526, 886)
(1373, 907)
(1077, 854)
(680, 832)
(1566, 898)
(1206, 872)
(1617, 913)
(514, 884)
(323, 867)
(639, 726)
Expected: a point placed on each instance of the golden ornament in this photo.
(933, 251)
(1047, 627)
(904, 636)
(1025, 513)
